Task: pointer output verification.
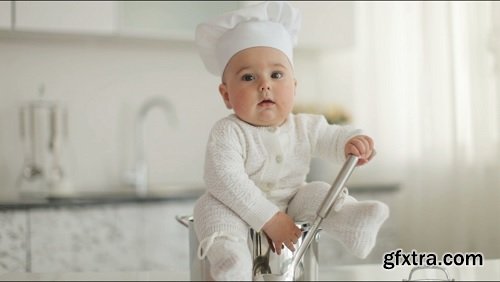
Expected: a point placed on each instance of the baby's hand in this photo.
(362, 147)
(281, 229)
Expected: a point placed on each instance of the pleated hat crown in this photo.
(267, 24)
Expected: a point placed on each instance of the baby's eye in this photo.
(247, 77)
(277, 75)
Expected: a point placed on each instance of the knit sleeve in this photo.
(328, 140)
(227, 180)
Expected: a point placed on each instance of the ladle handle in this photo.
(339, 183)
(342, 177)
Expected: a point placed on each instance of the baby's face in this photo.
(259, 85)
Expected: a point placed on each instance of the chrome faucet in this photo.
(139, 177)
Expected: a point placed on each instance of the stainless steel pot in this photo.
(301, 265)
(264, 259)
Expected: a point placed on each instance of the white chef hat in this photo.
(269, 24)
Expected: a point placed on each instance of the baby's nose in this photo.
(265, 87)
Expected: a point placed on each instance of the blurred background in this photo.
(420, 77)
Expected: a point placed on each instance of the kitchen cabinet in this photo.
(168, 20)
(110, 237)
(13, 241)
(175, 20)
(325, 25)
(116, 234)
(5, 14)
(94, 17)
(136, 236)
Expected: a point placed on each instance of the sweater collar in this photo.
(273, 129)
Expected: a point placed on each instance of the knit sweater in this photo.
(255, 171)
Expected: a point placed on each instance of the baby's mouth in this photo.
(267, 102)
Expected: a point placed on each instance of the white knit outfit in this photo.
(253, 172)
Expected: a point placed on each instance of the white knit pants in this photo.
(224, 235)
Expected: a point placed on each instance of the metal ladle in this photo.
(261, 261)
(323, 211)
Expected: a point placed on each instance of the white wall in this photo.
(104, 81)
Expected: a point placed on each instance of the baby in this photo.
(258, 157)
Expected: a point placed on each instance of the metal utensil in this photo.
(31, 169)
(323, 211)
(55, 173)
(261, 261)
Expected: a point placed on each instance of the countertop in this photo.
(490, 271)
(170, 192)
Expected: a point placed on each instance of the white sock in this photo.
(230, 260)
(356, 224)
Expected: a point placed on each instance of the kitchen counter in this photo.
(118, 196)
(490, 271)
(120, 230)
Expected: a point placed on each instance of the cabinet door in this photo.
(326, 24)
(95, 17)
(133, 237)
(5, 14)
(175, 20)
(14, 234)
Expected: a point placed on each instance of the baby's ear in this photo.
(225, 95)
(295, 86)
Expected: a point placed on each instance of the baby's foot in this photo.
(356, 225)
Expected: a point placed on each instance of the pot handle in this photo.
(414, 269)
(184, 219)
